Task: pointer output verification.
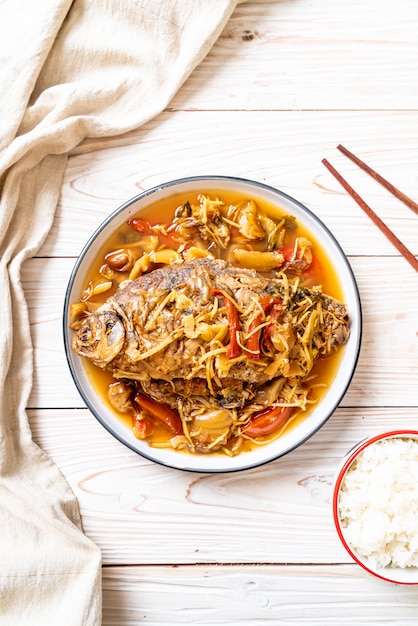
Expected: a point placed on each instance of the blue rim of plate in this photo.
(253, 186)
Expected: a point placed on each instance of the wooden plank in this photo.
(138, 512)
(387, 370)
(281, 149)
(349, 55)
(225, 596)
(285, 83)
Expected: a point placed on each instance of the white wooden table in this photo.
(287, 81)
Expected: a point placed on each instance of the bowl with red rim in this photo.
(341, 378)
(375, 505)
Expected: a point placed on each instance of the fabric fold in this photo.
(69, 70)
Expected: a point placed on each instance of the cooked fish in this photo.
(209, 328)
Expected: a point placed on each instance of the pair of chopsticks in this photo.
(387, 185)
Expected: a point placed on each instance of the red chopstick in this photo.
(385, 183)
(369, 211)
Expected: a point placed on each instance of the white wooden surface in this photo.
(287, 81)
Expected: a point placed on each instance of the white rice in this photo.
(378, 504)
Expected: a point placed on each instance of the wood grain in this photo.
(301, 55)
(281, 595)
(286, 83)
(141, 513)
(282, 149)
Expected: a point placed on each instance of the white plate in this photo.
(322, 411)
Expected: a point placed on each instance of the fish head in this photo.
(100, 337)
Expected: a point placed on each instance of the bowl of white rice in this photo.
(375, 505)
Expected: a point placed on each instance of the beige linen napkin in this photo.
(68, 70)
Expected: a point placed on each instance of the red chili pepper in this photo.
(142, 427)
(146, 228)
(253, 343)
(234, 349)
(295, 260)
(268, 330)
(162, 413)
(142, 226)
(267, 421)
(288, 253)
